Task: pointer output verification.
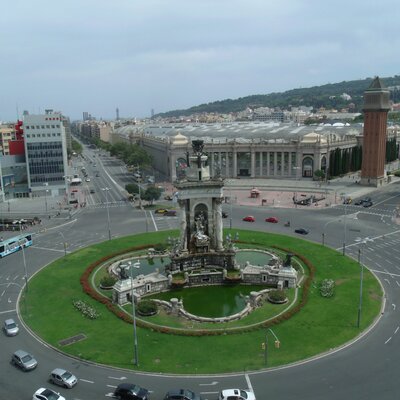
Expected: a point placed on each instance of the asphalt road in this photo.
(366, 369)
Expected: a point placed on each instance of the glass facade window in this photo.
(45, 162)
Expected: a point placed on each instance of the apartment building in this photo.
(46, 153)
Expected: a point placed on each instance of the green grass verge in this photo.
(321, 325)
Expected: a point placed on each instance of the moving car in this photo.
(160, 211)
(10, 327)
(181, 394)
(301, 231)
(130, 391)
(361, 202)
(367, 204)
(170, 213)
(249, 218)
(61, 377)
(236, 394)
(87, 179)
(273, 220)
(24, 360)
(47, 394)
(92, 191)
(224, 214)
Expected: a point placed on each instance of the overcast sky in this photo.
(96, 55)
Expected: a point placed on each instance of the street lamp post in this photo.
(21, 242)
(344, 225)
(323, 229)
(296, 179)
(106, 189)
(362, 243)
(65, 244)
(135, 341)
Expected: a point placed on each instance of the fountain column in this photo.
(218, 224)
(183, 226)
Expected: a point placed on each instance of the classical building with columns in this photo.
(246, 149)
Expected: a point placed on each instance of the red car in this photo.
(273, 220)
(249, 218)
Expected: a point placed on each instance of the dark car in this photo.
(224, 214)
(361, 202)
(170, 213)
(130, 391)
(367, 204)
(181, 394)
(301, 231)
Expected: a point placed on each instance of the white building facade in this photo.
(46, 153)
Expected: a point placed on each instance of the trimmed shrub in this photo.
(147, 308)
(277, 296)
(108, 281)
(327, 288)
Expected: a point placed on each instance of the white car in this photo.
(236, 394)
(87, 179)
(46, 394)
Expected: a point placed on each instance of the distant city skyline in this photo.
(96, 56)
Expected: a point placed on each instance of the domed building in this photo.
(246, 149)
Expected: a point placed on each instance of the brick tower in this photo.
(376, 107)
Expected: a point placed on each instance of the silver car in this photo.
(10, 327)
(24, 360)
(61, 377)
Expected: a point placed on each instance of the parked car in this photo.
(10, 327)
(160, 211)
(301, 231)
(92, 191)
(47, 394)
(61, 377)
(224, 214)
(273, 220)
(249, 218)
(236, 394)
(181, 394)
(24, 360)
(367, 204)
(170, 213)
(87, 179)
(130, 391)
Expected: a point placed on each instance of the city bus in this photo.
(11, 245)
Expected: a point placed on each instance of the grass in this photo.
(321, 325)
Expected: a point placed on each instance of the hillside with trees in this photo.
(328, 96)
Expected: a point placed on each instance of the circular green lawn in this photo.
(321, 325)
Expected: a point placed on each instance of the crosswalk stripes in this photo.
(119, 203)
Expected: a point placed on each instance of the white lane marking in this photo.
(46, 248)
(387, 341)
(208, 384)
(8, 311)
(249, 383)
(154, 222)
(397, 329)
(111, 386)
(394, 306)
(121, 378)
(84, 380)
(398, 284)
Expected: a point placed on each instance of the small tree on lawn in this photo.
(152, 193)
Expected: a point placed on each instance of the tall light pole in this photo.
(135, 341)
(345, 223)
(323, 229)
(46, 184)
(21, 242)
(106, 189)
(296, 178)
(65, 244)
(362, 243)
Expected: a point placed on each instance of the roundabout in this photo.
(312, 325)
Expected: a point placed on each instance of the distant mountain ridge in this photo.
(328, 96)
